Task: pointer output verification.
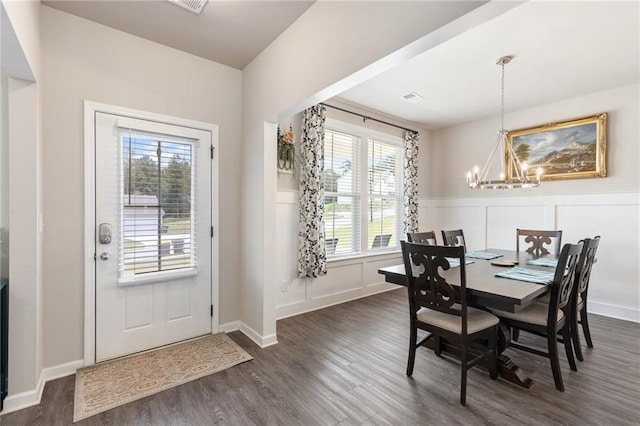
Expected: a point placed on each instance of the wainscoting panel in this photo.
(346, 279)
(492, 222)
(502, 222)
(371, 266)
(487, 222)
(612, 286)
(470, 218)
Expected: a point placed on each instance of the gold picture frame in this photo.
(572, 149)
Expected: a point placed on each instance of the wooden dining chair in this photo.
(552, 319)
(454, 238)
(428, 237)
(538, 239)
(433, 308)
(583, 274)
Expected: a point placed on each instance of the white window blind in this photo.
(363, 182)
(342, 192)
(157, 214)
(385, 200)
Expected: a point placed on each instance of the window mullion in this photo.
(364, 198)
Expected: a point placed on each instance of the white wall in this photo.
(287, 77)
(581, 208)
(86, 61)
(21, 133)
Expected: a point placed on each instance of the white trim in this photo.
(290, 306)
(33, 397)
(90, 109)
(526, 197)
(614, 311)
(262, 341)
(228, 327)
(151, 277)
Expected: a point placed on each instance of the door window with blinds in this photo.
(363, 181)
(157, 206)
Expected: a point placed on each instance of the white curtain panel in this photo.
(411, 182)
(312, 257)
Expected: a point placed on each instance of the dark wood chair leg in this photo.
(585, 326)
(575, 337)
(463, 381)
(437, 346)
(413, 338)
(566, 337)
(555, 361)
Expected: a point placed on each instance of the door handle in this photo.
(104, 233)
(105, 256)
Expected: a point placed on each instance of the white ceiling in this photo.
(227, 32)
(561, 50)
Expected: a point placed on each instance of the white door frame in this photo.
(90, 109)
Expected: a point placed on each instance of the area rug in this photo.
(110, 384)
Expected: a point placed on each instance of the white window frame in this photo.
(365, 136)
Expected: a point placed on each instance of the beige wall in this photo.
(21, 58)
(457, 149)
(86, 61)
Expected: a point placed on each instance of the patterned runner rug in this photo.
(110, 384)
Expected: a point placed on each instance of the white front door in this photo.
(153, 234)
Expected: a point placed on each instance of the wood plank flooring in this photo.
(345, 365)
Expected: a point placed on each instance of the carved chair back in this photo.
(539, 240)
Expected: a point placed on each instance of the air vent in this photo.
(194, 6)
(413, 97)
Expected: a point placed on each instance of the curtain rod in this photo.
(365, 117)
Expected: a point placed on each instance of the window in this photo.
(157, 232)
(363, 181)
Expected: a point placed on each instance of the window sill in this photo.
(152, 277)
(372, 254)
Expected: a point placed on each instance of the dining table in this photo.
(487, 289)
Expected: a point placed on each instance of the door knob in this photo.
(105, 256)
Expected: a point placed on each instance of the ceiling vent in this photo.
(194, 6)
(413, 97)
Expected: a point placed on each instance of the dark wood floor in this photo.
(345, 365)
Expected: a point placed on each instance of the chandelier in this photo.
(478, 179)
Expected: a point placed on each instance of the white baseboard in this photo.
(262, 341)
(32, 397)
(614, 311)
(304, 306)
(229, 327)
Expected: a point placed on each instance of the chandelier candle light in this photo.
(477, 179)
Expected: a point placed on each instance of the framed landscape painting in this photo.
(568, 150)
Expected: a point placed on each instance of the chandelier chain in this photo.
(502, 100)
(518, 175)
